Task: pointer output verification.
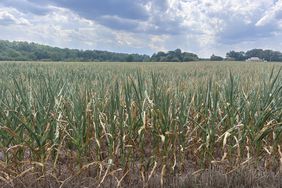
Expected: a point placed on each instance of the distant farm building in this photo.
(254, 59)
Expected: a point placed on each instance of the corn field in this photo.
(121, 124)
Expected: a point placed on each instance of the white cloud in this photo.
(200, 26)
(12, 16)
(272, 15)
(158, 42)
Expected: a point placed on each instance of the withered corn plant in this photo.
(124, 124)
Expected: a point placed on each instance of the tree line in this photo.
(24, 51)
(267, 55)
(174, 56)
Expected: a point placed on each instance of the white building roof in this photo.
(254, 59)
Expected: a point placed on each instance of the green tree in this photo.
(216, 58)
(237, 56)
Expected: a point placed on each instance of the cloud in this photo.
(11, 16)
(63, 28)
(272, 15)
(115, 14)
(92, 9)
(27, 6)
(145, 26)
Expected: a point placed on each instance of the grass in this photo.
(142, 124)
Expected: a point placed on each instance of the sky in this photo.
(204, 27)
